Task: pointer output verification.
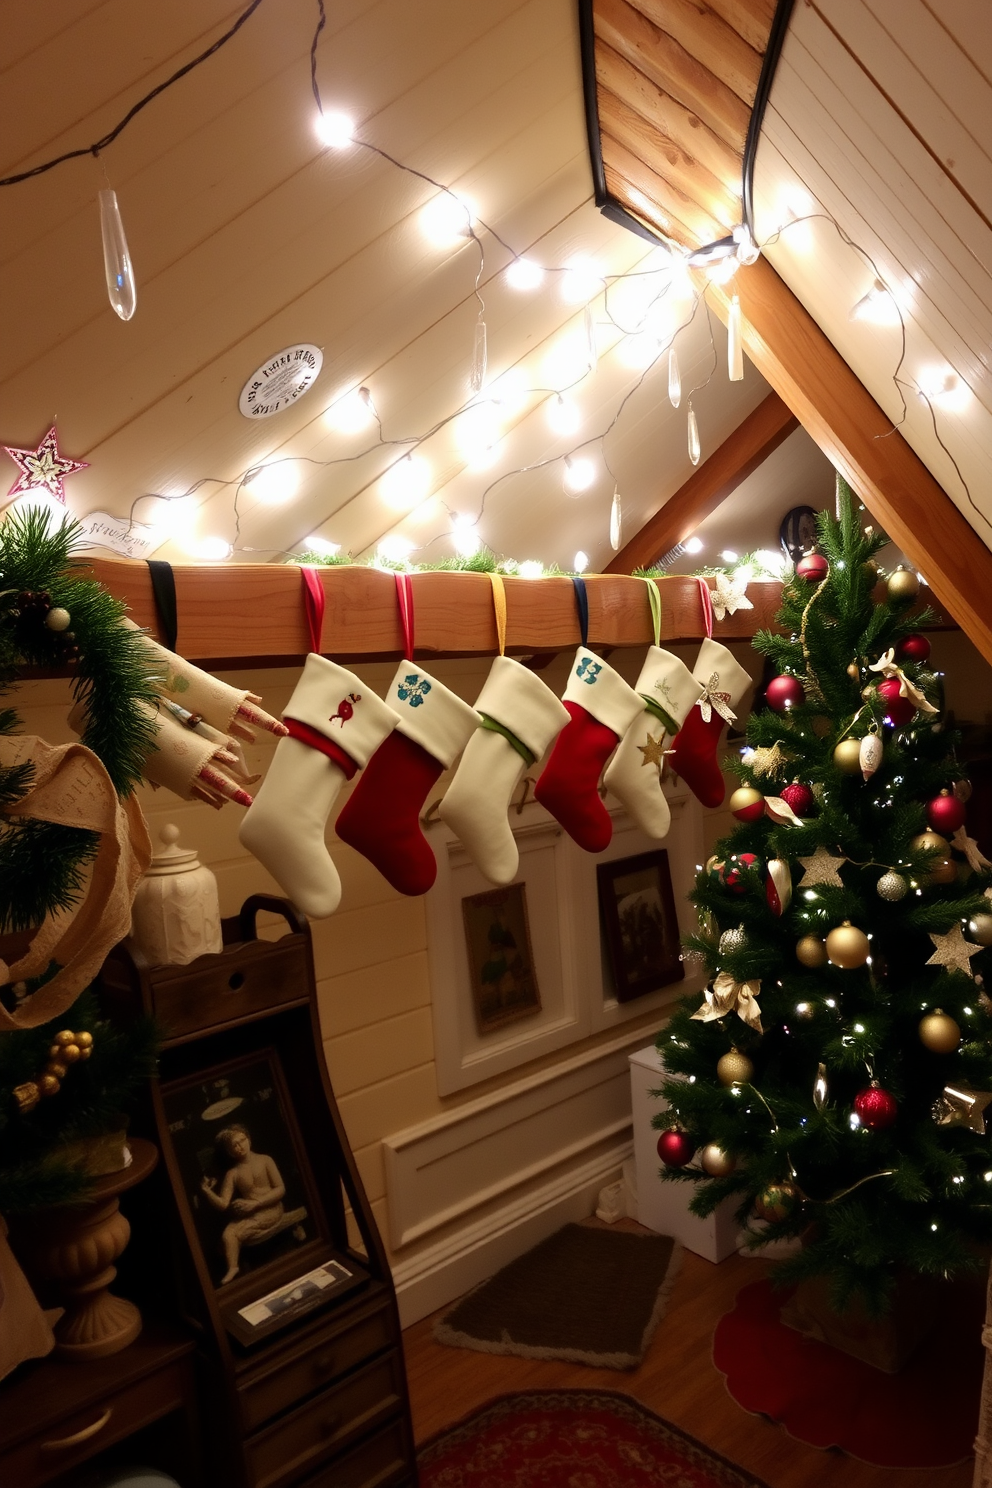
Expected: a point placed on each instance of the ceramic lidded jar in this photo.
(176, 912)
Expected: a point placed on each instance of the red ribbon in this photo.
(313, 604)
(404, 598)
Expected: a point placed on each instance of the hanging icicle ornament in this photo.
(820, 1089)
(693, 436)
(735, 349)
(674, 379)
(116, 258)
(479, 356)
(616, 522)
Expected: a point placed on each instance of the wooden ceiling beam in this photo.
(682, 170)
(751, 19)
(707, 38)
(667, 116)
(253, 614)
(672, 68)
(639, 204)
(668, 198)
(809, 374)
(738, 457)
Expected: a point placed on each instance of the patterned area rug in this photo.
(572, 1439)
(591, 1296)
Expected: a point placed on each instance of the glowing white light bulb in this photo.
(447, 219)
(479, 357)
(581, 281)
(174, 514)
(723, 270)
(212, 549)
(580, 472)
(530, 569)
(580, 562)
(674, 379)
(121, 288)
(728, 556)
(773, 563)
(395, 548)
(735, 349)
(877, 307)
(321, 546)
(943, 386)
(692, 435)
(566, 361)
(335, 129)
(275, 483)
(563, 415)
(406, 482)
(616, 523)
(509, 393)
(524, 274)
(351, 412)
(693, 545)
(465, 535)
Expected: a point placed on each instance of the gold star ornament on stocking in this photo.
(652, 751)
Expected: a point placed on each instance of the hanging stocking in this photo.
(601, 707)
(668, 689)
(335, 725)
(724, 683)
(381, 819)
(520, 717)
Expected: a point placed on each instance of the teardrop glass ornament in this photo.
(589, 331)
(116, 258)
(479, 357)
(616, 523)
(693, 433)
(674, 379)
(735, 350)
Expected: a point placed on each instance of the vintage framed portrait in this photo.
(249, 1192)
(639, 924)
(500, 958)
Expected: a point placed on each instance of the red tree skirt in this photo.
(925, 1416)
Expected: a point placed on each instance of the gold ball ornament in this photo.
(939, 1033)
(84, 1040)
(747, 804)
(56, 1068)
(847, 756)
(903, 584)
(66, 1037)
(854, 671)
(930, 842)
(811, 951)
(980, 929)
(58, 619)
(68, 1054)
(776, 1202)
(734, 1069)
(716, 1162)
(47, 1085)
(847, 946)
(944, 871)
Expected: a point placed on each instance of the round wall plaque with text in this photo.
(280, 381)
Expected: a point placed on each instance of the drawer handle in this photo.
(62, 1442)
(323, 1364)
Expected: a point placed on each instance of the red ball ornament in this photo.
(799, 797)
(783, 693)
(813, 567)
(675, 1148)
(875, 1107)
(945, 813)
(898, 709)
(913, 647)
(747, 804)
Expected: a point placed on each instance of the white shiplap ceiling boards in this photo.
(248, 236)
(879, 131)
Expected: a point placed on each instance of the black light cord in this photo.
(769, 64)
(111, 135)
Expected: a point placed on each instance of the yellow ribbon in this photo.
(499, 607)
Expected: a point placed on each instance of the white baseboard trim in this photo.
(443, 1271)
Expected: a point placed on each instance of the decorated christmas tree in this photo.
(835, 1076)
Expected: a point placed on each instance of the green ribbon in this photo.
(671, 727)
(511, 739)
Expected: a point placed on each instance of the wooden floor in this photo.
(677, 1379)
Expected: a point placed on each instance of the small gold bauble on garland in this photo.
(847, 756)
(902, 585)
(939, 1033)
(811, 951)
(776, 1202)
(715, 1161)
(67, 1048)
(734, 1069)
(58, 619)
(980, 929)
(892, 887)
(854, 671)
(847, 946)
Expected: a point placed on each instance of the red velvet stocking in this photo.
(381, 818)
(694, 756)
(569, 784)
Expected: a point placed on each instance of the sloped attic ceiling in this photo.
(247, 236)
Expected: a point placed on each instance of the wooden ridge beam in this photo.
(833, 405)
(738, 457)
(252, 614)
(708, 38)
(682, 171)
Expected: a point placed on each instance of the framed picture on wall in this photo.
(639, 924)
(500, 958)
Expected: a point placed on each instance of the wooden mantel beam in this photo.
(738, 457)
(809, 374)
(252, 614)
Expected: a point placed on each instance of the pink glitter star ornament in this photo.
(42, 469)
